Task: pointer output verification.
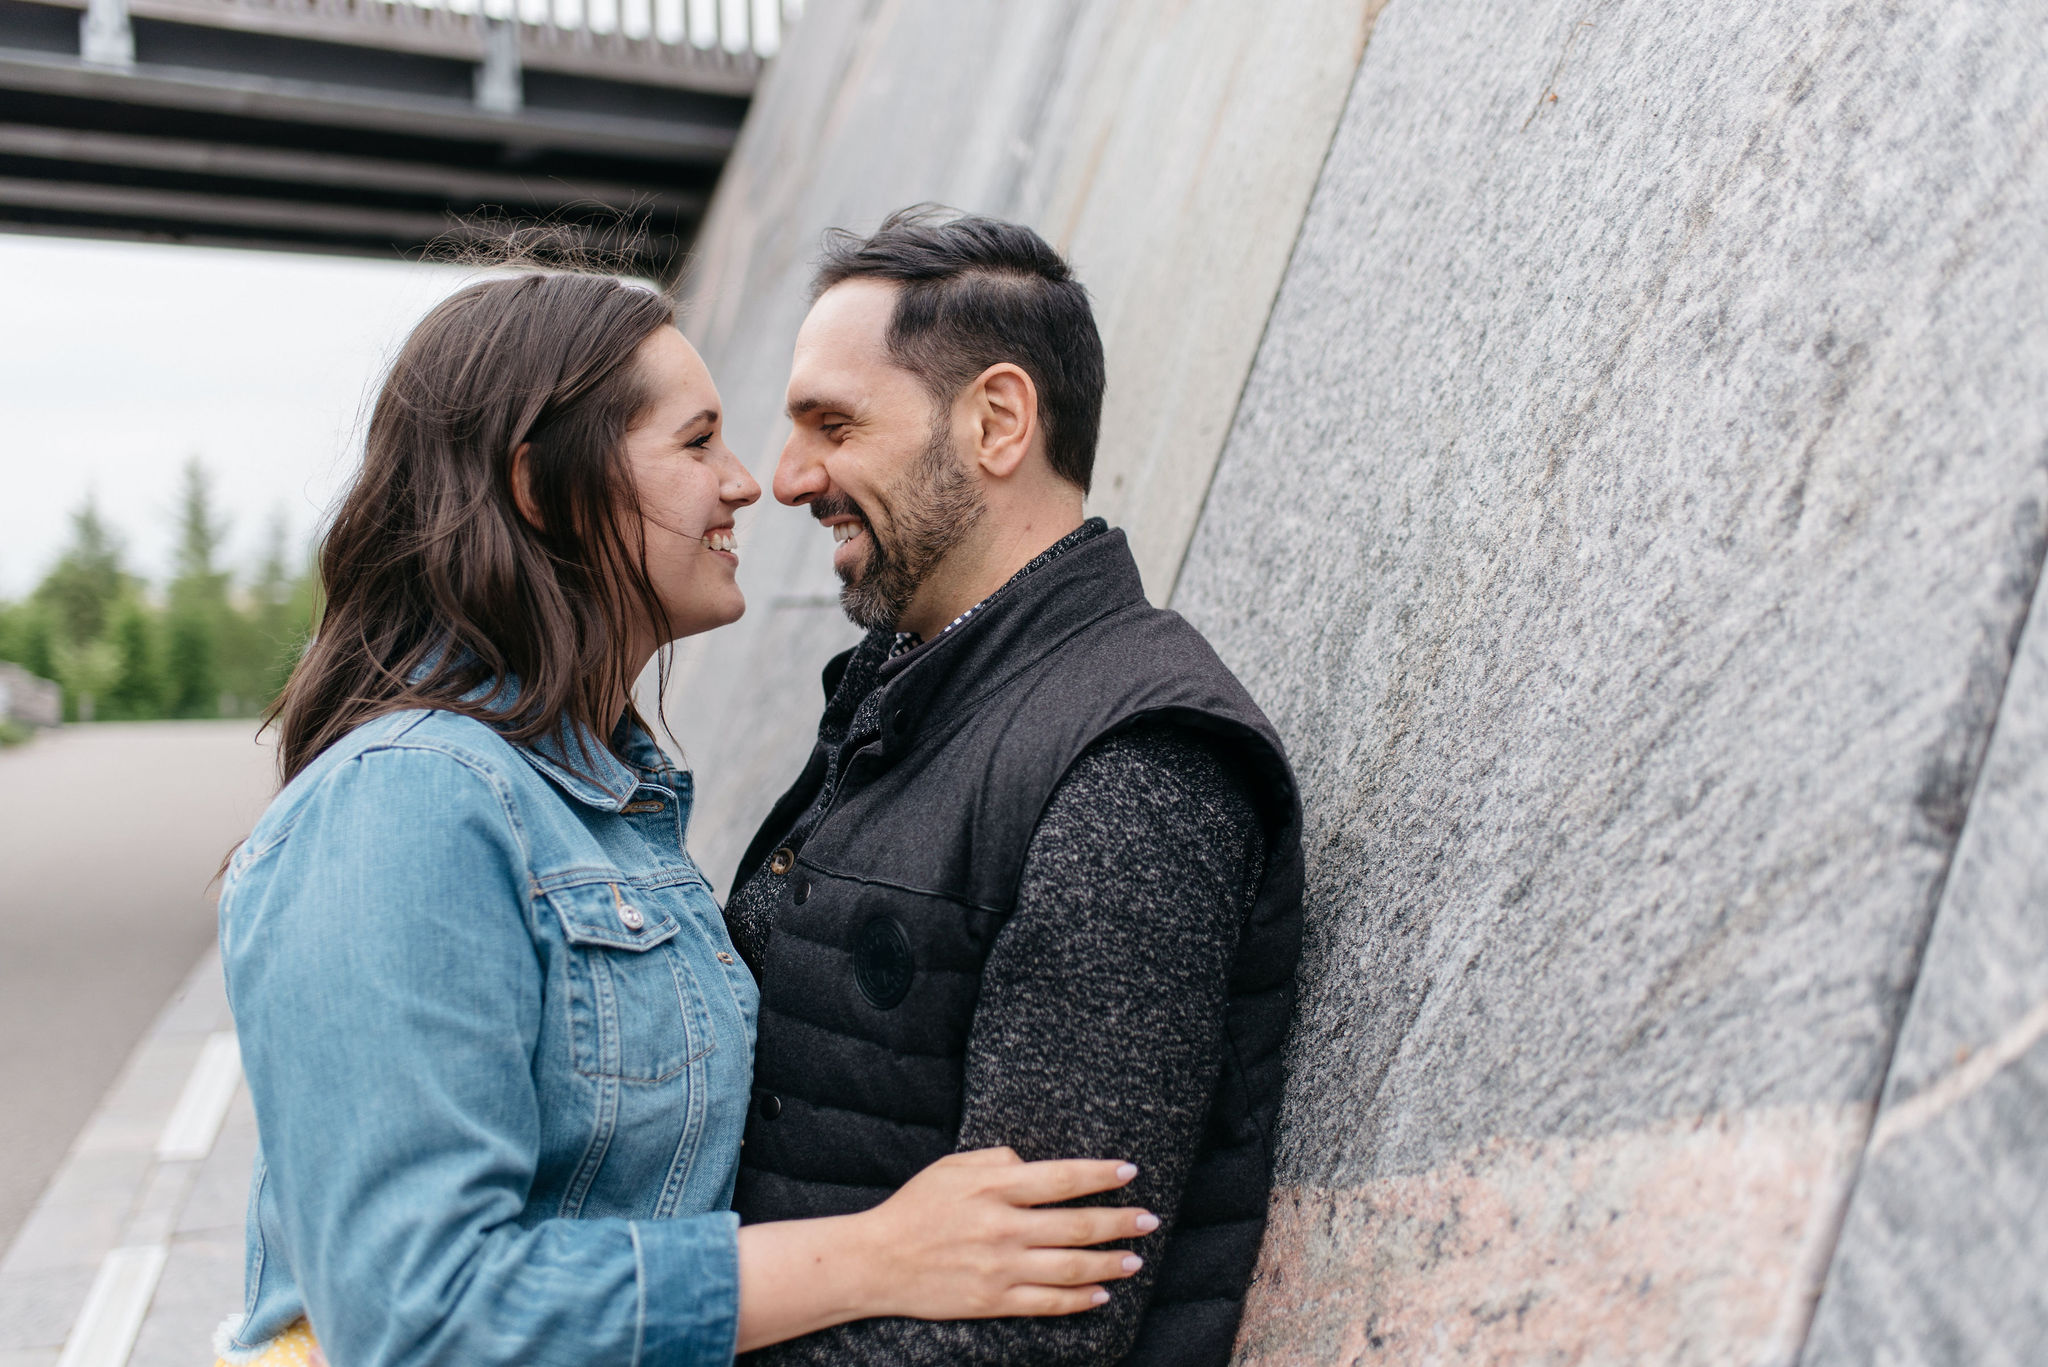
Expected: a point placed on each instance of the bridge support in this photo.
(105, 37)
(500, 83)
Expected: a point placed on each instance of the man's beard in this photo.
(931, 515)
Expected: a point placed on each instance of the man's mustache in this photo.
(835, 505)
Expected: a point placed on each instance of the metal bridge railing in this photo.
(707, 45)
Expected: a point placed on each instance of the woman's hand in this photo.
(961, 1240)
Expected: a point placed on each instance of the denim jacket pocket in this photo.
(636, 1012)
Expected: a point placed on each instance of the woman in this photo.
(499, 1045)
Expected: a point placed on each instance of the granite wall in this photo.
(1630, 507)
(1629, 521)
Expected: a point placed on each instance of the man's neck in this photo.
(981, 566)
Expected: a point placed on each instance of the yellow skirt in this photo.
(295, 1347)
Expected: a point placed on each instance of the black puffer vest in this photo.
(887, 912)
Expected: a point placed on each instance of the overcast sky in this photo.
(119, 361)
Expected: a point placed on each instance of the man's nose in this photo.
(799, 474)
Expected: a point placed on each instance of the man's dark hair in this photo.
(977, 291)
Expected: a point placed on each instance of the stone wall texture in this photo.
(1168, 147)
(1632, 493)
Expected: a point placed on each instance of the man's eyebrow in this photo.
(796, 408)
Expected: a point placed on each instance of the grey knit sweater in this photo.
(1099, 1030)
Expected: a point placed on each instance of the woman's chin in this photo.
(711, 616)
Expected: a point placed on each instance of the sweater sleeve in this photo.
(1099, 1031)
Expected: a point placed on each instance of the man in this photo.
(1039, 884)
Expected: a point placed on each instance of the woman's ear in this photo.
(522, 486)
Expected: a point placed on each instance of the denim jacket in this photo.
(500, 1050)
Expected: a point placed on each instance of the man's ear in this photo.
(522, 486)
(1005, 413)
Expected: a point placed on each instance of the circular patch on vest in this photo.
(882, 965)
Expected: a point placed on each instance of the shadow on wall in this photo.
(1630, 519)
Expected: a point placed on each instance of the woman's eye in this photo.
(700, 443)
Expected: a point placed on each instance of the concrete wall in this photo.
(1631, 517)
(1167, 146)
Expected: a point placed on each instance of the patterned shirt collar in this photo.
(907, 641)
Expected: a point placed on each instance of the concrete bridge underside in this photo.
(357, 126)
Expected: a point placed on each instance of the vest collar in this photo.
(1021, 624)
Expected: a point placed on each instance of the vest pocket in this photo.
(636, 1013)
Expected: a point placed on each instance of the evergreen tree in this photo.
(198, 651)
(302, 611)
(258, 633)
(13, 631)
(81, 588)
(137, 691)
(198, 604)
(38, 643)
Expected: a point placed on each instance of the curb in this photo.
(134, 1252)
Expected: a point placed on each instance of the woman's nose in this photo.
(739, 487)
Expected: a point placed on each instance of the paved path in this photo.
(109, 835)
(133, 1253)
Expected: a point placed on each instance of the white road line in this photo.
(190, 1131)
(105, 1332)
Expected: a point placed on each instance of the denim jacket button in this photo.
(630, 917)
(771, 1106)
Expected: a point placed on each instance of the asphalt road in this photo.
(109, 839)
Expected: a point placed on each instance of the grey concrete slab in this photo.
(1944, 1254)
(201, 1286)
(109, 835)
(1628, 523)
(219, 1197)
(1168, 147)
(112, 1192)
(36, 1308)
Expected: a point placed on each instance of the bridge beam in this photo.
(356, 126)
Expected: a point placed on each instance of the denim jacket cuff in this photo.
(689, 1289)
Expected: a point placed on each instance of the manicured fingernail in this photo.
(1099, 1298)
(1147, 1222)
(1132, 1262)
(1126, 1171)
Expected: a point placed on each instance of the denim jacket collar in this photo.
(582, 766)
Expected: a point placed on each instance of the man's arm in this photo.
(1099, 1031)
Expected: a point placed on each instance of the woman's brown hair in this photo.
(439, 593)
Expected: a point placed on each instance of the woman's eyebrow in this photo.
(709, 415)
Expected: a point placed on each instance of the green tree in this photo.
(66, 634)
(302, 614)
(38, 642)
(13, 631)
(81, 587)
(197, 615)
(137, 690)
(261, 640)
